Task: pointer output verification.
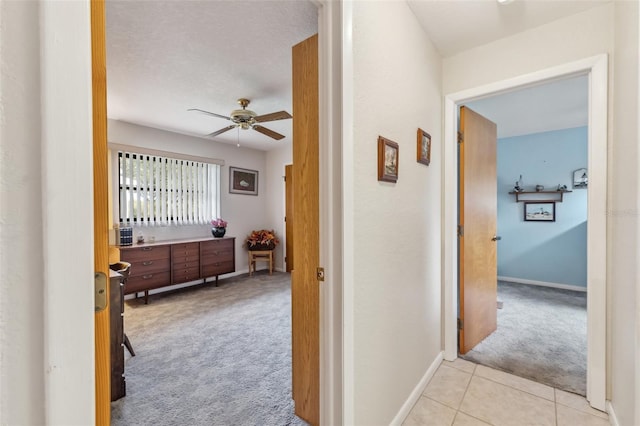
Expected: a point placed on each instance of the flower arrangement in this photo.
(219, 223)
(262, 237)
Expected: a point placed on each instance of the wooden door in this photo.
(305, 292)
(288, 182)
(477, 245)
(100, 207)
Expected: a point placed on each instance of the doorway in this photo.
(541, 260)
(596, 68)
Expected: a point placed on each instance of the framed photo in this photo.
(388, 155)
(424, 147)
(243, 181)
(544, 211)
(580, 179)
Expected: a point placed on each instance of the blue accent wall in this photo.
(553, 252)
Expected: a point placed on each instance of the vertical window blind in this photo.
(167, 191)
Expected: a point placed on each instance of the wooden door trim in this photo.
(596, 67)
(100, 206)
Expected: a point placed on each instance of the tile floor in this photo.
(462, 393)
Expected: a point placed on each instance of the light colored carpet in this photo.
(209, 355)
(541, 335)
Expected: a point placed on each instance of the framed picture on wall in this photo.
(544, 211)
(580, 179)
(388, 155)
(424, 147)
(243, 181)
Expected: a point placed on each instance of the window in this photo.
(167, 191)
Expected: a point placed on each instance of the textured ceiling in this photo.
(164, 57)
(457, 25)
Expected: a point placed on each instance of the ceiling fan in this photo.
(246, 119)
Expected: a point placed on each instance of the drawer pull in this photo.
(147, 263)
(146, 277)
(147, 248)
(216, 264)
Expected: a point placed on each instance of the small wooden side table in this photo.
(260, 256)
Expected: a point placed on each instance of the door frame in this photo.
(59, 23)
(596, 68)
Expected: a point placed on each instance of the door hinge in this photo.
(320, 273)
(460, 324)
(460, 137)
(460, 231)
(100, 288)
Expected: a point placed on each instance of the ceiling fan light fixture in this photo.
(247, 119)
(504, 1)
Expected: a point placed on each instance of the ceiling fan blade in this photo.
(280, 115)
(268, 132)
(210, 113)
(226, 129)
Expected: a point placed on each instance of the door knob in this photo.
(496, 238)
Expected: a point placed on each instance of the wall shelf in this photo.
(528, 196)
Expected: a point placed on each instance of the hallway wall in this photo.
(396, 226)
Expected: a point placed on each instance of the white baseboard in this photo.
(543, 283)
(613, 420)
(417, 392)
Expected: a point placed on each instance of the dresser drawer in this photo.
(214, 247)
(147, 282)
(184, 275)
(218, 268)
(176, 260)
(185, 249)
(132, 255)
(146, 267)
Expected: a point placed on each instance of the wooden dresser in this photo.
(116, 311)
(164, 263)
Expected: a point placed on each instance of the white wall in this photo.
(276, 160)
(21, 315)
(623, 219)
(243, 212)
(396, 227)
(46, 214)
(565, 40)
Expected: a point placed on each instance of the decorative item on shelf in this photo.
(518, 186)
(140, 238)
(263, 239)
(219, 227)
(562, 188)
(539, 188)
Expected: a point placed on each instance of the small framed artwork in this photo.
(424, 147)
(540, 211)
(580, 179)
(243, 181)
(388, 154)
